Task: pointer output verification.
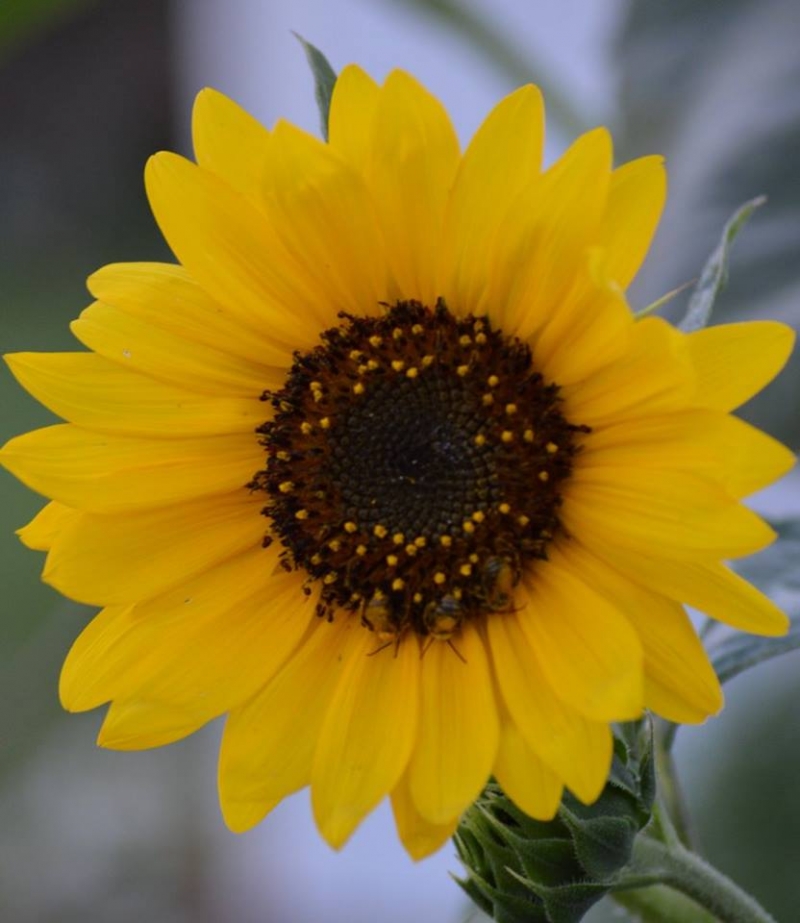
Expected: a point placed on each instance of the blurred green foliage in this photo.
(22, 20)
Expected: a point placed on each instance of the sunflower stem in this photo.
(670, 811)
(660, 904)
(655, 863)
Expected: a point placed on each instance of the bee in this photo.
(499, 576)
(442, 618)
(379, 616)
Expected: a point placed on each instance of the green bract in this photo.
(521, 870)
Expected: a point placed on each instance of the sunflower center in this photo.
(414, 465)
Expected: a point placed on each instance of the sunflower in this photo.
(386, 470)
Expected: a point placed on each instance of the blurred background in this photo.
(88, 89)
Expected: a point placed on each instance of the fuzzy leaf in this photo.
(324, 81)
(736, 654)
(715, 272)
(775, 573)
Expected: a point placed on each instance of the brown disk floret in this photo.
(414, 462)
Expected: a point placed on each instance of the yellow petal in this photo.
(420, 837)
(91, 391)
(504, 156)
(102, 473)
(326, 220)
(46, 526)
(458, 733)
(680, 684)
(230, 248)
(716, 445)
(527, 781)
(588, 650)
(546, 233)
(229, 142)
(367, 736)
(167, 298)
(577, 750)
(82, 686)
(135, 724)
(635, 201)
(654, 377)
(208, 645)
(676, 514)
(352, 116)
(115, 560)
(735, 361)
(705, 585)
(414, 159)
(268, 745)
(591, 329)
(135, 344)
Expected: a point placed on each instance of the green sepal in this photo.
(715, 272)
(324, 81)
(520, 869)
(567, 903)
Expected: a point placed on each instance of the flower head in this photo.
(387, 471)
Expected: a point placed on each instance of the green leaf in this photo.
(324, 80)
(775, 573)
(715, 273)
(22, 20)
(736, 654)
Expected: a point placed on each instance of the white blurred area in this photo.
(245, 48)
